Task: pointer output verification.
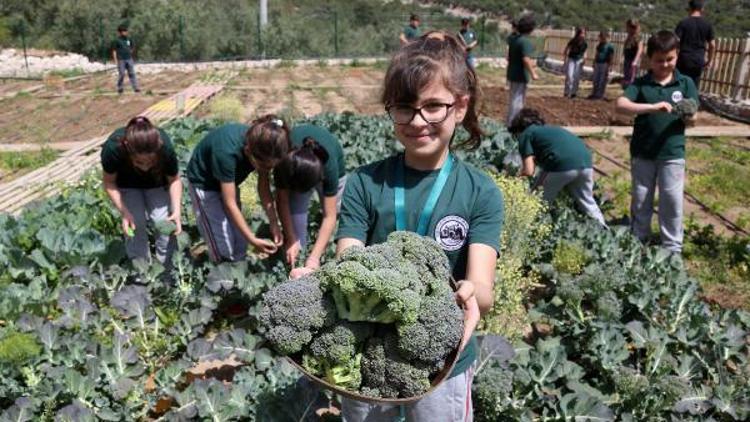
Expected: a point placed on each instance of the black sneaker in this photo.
(137, 90)
(119, 92)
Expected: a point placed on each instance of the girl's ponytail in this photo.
(303, 168)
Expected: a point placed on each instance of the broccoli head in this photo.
(491, 392)
(382, 295)
(386, 373)
(685, 108)
(427, 256)
(437, 331)
(293, 311)
(334, 354)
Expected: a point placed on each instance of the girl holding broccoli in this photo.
(140, 176)
(429, 91)
(316, 162)
(220, 163)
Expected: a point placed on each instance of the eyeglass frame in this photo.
(415, 110)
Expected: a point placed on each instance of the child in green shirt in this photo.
(605, 53)
(521, 66)
(657, 148)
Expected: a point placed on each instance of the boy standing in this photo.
(469, 38)
(695, 33)
(657, 147)
(411, 31)
(605, 52)
(521, 65)
(123, 52)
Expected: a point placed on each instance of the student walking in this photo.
(315, 163)
(605, 52)
(575, 57)
(470, 40)
(695, 34)
(563, 157)
(221, 161)
(657, 148)
(632, 51)
(140, 176)
(429, 91)
(521, 66)
(123, 54)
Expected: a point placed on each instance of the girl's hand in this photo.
(292, 252)
(300, 272)
(128, 224)
(177, 220)
(312, 262)
(467, 300)
(263, 247)
(662, 107)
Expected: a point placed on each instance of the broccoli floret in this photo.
(491, 392)
(335, 353)
(388, 373)
(609, 307)
(437, 331)
(293, 311)
(427, 256)
(685, 108)
(382, 295)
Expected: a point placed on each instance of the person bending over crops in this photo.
(140, 176)
(563, 157)
(220, 163)
(315, 163)
(428, 92)
(664, 102)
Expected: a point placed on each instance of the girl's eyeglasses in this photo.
(403, 114)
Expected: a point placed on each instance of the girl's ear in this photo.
(461, 107)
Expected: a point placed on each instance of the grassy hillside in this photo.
(731, 18)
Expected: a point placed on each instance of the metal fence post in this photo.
(336, 34)
(260, 42)
(482, 33)
(102, 48)
(23, 42)
(181, 31)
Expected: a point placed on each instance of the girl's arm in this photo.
(175, 200)
(109, 181)
(266, 199)
(346, 243)
(475, 293)
(529, 166)
(530, 65)
(327, 226)
(638, 53)
(229, 200)
(291, 244)
(625, 105)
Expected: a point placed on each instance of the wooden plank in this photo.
(693, 132)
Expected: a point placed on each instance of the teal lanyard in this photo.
(429, 206)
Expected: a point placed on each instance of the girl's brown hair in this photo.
(142, 137)
(267, 140)
(434, 55)
(633, 40)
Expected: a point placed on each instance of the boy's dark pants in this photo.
(122, 67)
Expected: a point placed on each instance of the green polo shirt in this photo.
(411, 33)
(335, 166)
(218, 158)
(659, 136)
(114, 161)
(554, 148)
(124, 48)
(519, 46)
(603, 52)
(469, 210)
(468, 36)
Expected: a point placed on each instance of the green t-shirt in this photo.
(219, 158)
(115, 161)
(124, 48)
(554, 148)
(335, 166)
(469, 210)
(468, 36)
(519, 46)
(411, 33)
(659, 136)
(603, 52)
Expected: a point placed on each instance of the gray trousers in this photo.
(669, 176)
(224, 240)
(299, 204)
(128, 66)
(517, 100)
(148, 206)
(600, 79)
(579, 184)
(451, 402)
(573, 71)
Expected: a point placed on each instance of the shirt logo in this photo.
(677, 96)
(451, 232)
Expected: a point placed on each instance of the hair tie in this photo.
(278, 122)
